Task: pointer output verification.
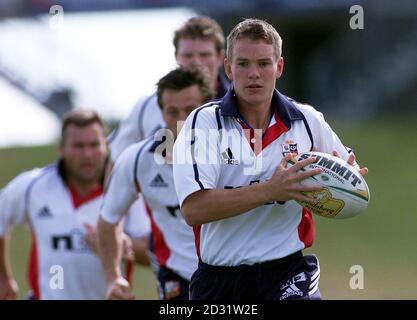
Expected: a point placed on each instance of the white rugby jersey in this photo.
(172, 240)
(56, 216)
(220, 156)
(144, 120)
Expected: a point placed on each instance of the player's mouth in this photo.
(254, 86)
(88, 166)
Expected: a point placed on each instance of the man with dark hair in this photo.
(61, 205)
(198, 42)
(249, 229)
(146, 167)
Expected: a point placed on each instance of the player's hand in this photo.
(91, 237)
(285, 183)
(352, 161)
(8, 289)
(119, 289)
(127, 248)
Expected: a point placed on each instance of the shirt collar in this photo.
(285, 107)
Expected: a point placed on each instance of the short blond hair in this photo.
(254, 29)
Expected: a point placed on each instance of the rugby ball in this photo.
(345, 192)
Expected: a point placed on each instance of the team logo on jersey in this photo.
(228, 157)
(158, 182)
(45, 212)
(71, 241)
(289, 147)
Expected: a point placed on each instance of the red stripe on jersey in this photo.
(271, 133)
(197, 231)
(160, 248)
(306, 231)
(33, 270)
(78, 201)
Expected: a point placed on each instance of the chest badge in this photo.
(289, 147)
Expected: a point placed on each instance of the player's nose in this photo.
(253, 72)
(196, 60)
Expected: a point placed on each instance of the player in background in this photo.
(249, 231)
(200, 42)
(61, 203)
(146, 168)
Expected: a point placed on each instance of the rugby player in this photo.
(249, 231)
(146, 168)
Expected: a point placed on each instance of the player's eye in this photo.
(173, 112)
(205, 54)
(264, 63)
(78, 145)
(242, 64)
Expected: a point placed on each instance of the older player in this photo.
(249, 231)
(61, 205)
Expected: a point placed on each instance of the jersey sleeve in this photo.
(196, 154)
(128, 132)
(136, 223)
(13, 201)
(121, 190)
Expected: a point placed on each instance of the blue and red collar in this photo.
(284, 107)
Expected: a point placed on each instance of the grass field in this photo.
(382, 241)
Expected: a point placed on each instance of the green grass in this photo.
(382, 240)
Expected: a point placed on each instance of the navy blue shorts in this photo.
(295, 277)
(171, 286)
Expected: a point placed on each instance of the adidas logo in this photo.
(158, 182)
(290, 288)
(45, 213)
(228, 157)
(297, 278)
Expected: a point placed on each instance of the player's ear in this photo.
(228, 68)
(60, 148)
(280, 67)
(61, 143)
(220, 57)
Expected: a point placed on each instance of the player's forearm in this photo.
(5, 266)
(109, 249)
(214, 204)
(140, 246)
